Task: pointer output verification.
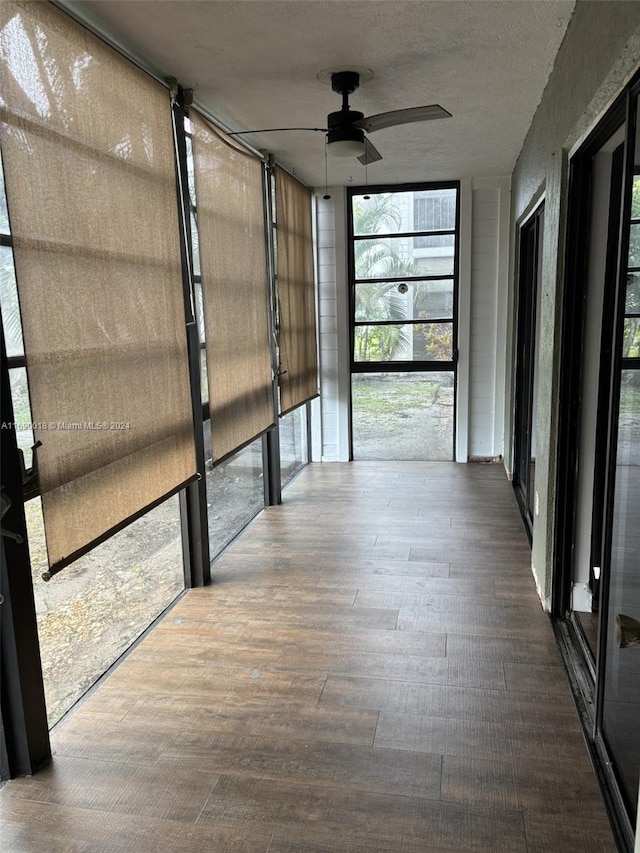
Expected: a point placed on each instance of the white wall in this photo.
(489, 261)
(482, 312)
(333, 443)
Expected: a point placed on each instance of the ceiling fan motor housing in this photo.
(341, 123)
(341, 127)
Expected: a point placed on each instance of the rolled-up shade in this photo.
(235, 295)
(89, 167)
(296, 293)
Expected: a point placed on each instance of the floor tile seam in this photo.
(510, 758)
(114, 813)
(339, 788)
(344, 786)
(551, 726)
(521, 765)
(58, 753)
(456, 718)
(499, 693)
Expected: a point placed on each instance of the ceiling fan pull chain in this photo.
(326, 195)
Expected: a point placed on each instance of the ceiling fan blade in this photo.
(371, 154)
(378, 122)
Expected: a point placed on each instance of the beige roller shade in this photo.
(230, 214)
(89, 164)
(296, 293)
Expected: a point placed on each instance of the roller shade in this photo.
(89, 167)
(233, 261)
(296, 293)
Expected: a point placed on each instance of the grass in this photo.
(629, 400)
(381, 396)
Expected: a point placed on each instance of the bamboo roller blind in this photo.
(231, 228)
(296, 293)
(89, 163)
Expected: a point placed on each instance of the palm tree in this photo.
(376, 258)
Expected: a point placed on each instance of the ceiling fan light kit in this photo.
(345, 142)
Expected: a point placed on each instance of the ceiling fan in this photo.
(346, 128)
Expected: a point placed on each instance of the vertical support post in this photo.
(271, 463)
(25, 732)
(193, 499)
(271, 440)
(463, 367)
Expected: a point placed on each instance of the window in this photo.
(403, 287)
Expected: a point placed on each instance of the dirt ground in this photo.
(402, 420)
(92, 611)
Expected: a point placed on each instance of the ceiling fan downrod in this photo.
(344, 139)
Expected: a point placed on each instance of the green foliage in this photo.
(438, 340)
(376, 258)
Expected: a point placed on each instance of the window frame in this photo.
(404, 366)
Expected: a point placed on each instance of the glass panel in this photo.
(621, 707)
(635, 199)
(404, 300)
(190, 171)
(4, 216)
(420, 342)
(294, 454)
(90, 613)
(402, 416)
(396, 257)
(631, 341)
(9, 304)
(204, 380)
(434, 210)
(235, 492)
(433, 342)
(22, 412)
(195, 244)
(632, 303)
(634, 246)
(393, 213)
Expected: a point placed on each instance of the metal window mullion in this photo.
(423, 322)
(411, 278)
(271, 441)
(22, 699)
(193, 499)
(402, 234)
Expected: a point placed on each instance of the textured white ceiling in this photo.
(255, 63)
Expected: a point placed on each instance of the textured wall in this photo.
(600, 51)
(484, 308)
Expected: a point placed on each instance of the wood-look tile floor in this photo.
(372, 672)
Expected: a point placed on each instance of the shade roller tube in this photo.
(235, 288)
(296, 293)
(88, 153)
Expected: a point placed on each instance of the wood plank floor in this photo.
(371, 673)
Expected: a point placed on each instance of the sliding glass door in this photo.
(597, 578)
(527, 346)
(619, 663)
